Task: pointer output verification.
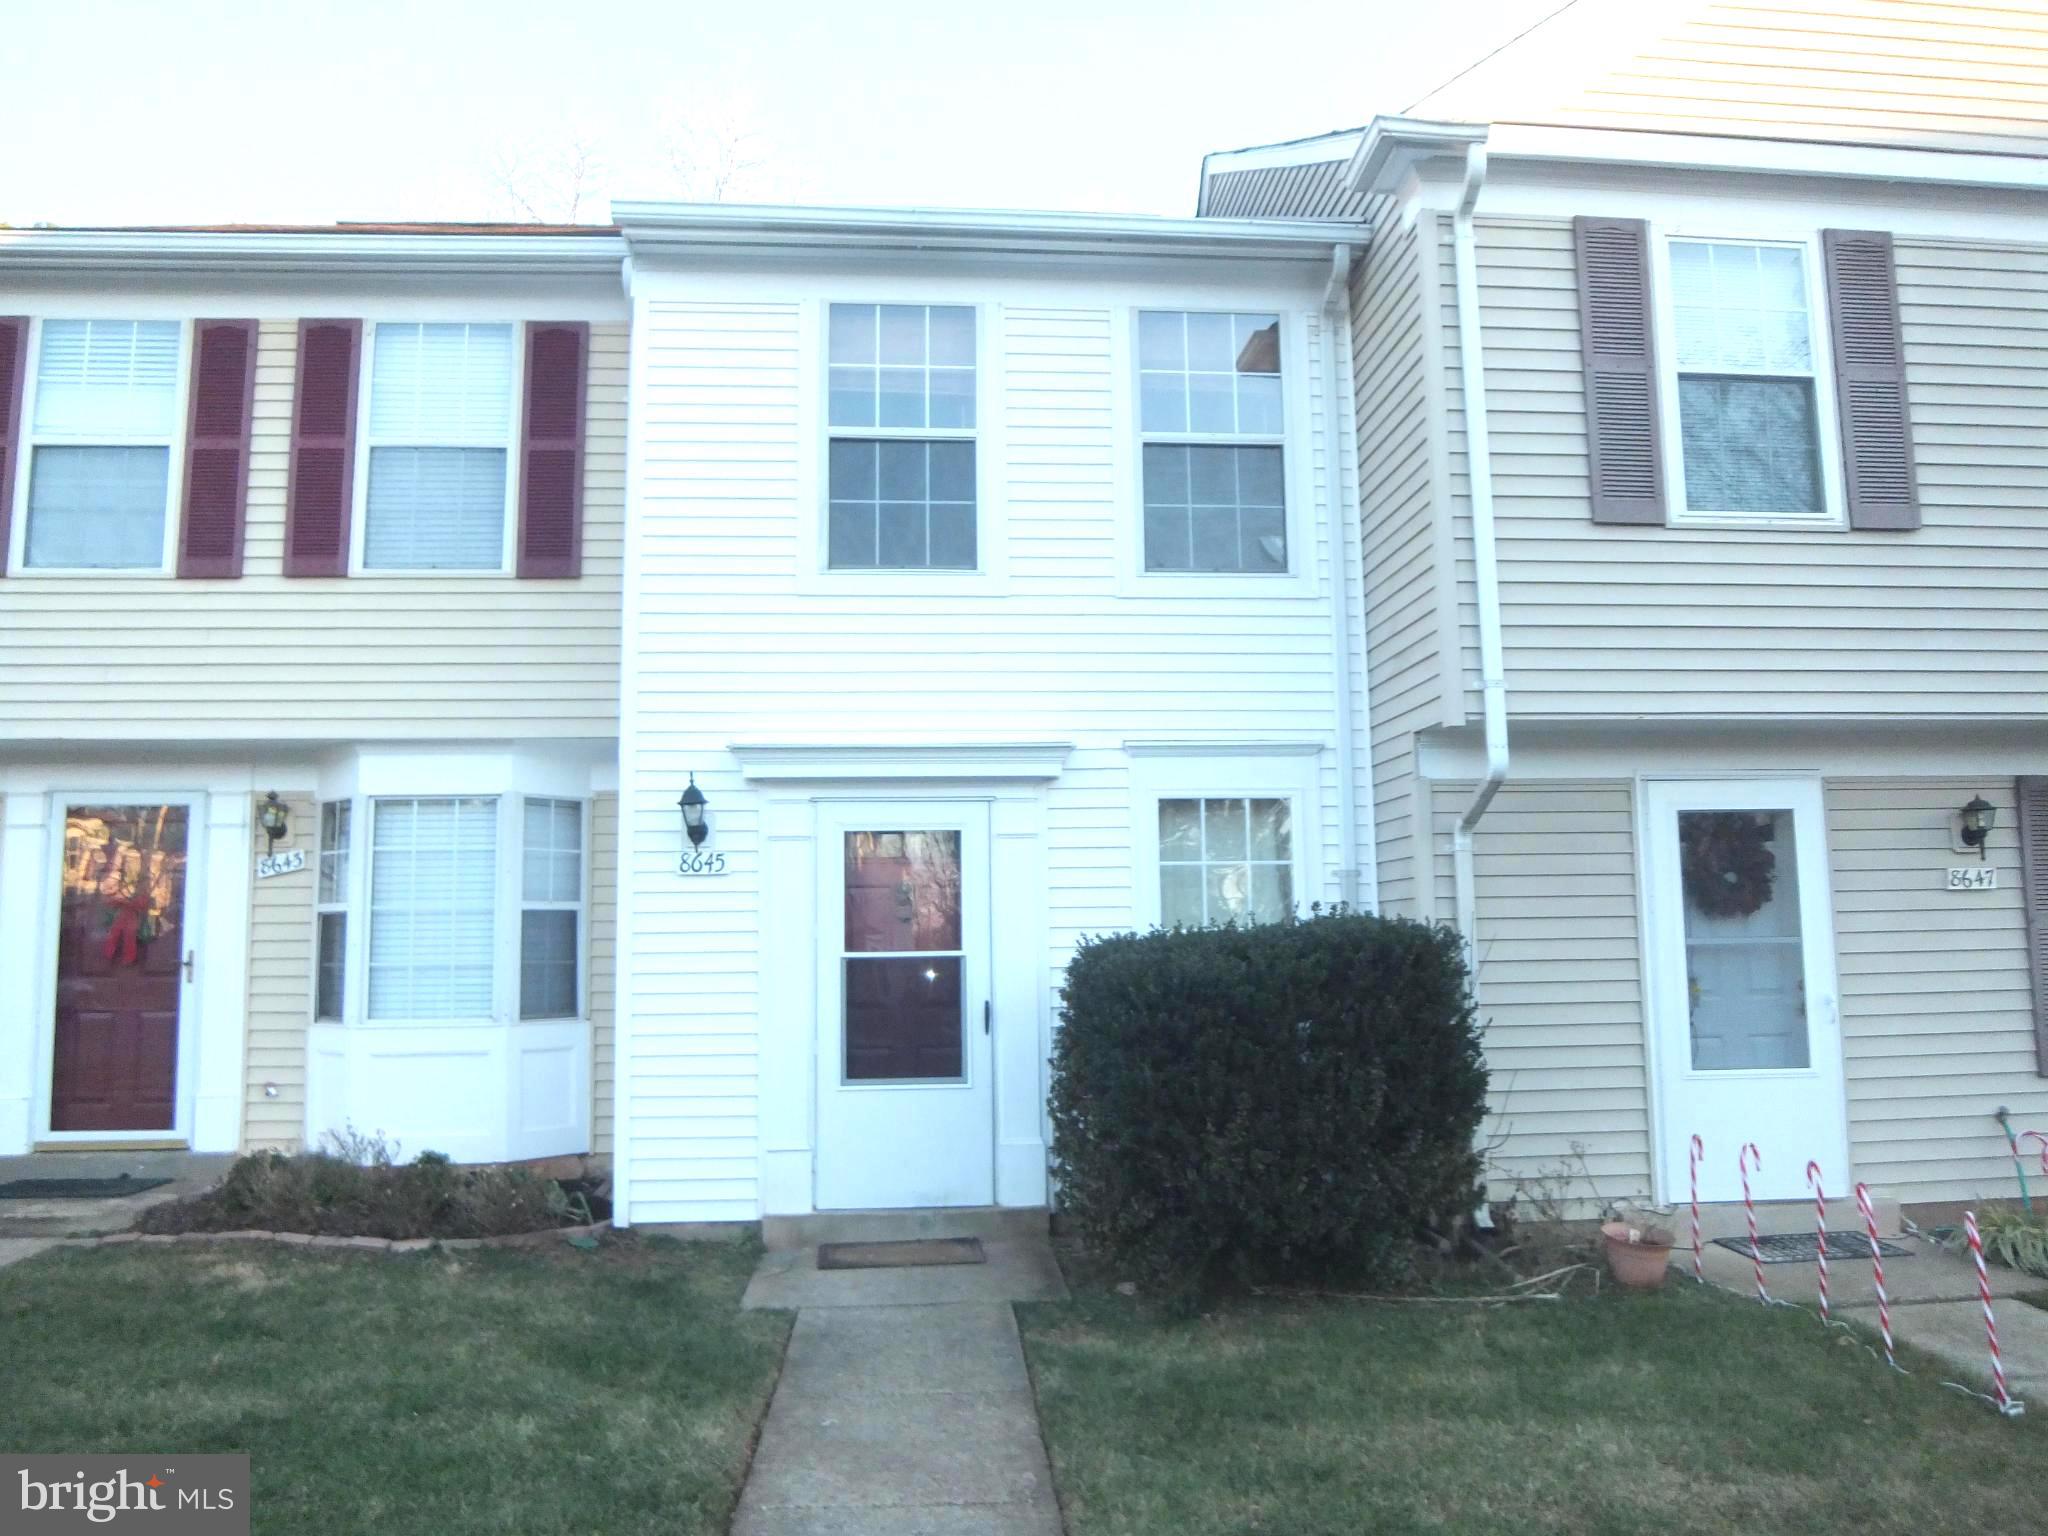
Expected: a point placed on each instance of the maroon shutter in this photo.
(13, 363)
(2032, 795)
(1870, 379)
(322, 482)
(1622, 429)
(551, 451)
(217, 447)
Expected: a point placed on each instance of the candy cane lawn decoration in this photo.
(1884, 1304)
(1699, 1150)
(2006, 1405)
(1820, 1235)
(1756, 1254)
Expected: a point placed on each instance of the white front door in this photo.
(905, 1058)
(1744, 1018)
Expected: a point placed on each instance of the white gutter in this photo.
(318, 251)
(1485, 570)
(1336, 318)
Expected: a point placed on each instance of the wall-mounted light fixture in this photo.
(274, 818)
(1974, 823)
(693, 804)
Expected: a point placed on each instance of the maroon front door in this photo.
(121, 947)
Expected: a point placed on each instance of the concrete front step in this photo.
(1727, 1219)
(990, 1223)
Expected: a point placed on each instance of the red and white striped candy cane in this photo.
(1884, 1304)
(1699, 1150)
(2005, 1403)
(1756, 1254)
(1820, 1233)
(2041, 1137)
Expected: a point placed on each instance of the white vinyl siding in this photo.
(101, 428)
(439, 430)
(388, 656)
(432, 908)
(732, 645)
(281, 981)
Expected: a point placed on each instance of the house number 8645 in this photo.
(698, 862)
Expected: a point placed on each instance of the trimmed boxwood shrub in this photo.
(1276, 1103)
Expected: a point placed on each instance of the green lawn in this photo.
(489, 1391)
(1689, 1410)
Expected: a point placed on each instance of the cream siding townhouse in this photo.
(309, 649)
(1702, 379)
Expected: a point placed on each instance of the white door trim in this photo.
(193, 916)
(1662, 947)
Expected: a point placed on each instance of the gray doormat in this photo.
(77, 1189)
(910, 1255)
(1801, 1248)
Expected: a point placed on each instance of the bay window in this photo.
(330, 921)
(550, 917)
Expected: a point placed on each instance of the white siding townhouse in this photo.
(712, 670)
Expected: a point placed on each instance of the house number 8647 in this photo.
(698, 862)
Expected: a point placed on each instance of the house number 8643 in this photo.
(698, 862)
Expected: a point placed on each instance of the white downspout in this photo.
(1337, 314)
(1485, 571)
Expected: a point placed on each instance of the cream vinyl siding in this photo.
(730, 648)
(280, 982)
(1937, 1011)
(1887, 72)
(601, 948)
(366, 657)
(1603, 621)
(1560, 985)
(1399, 486)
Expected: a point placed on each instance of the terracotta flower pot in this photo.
(1639, 1257)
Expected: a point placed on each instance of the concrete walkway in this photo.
(912, 1417)
(1934, 1307)
(14, 1249)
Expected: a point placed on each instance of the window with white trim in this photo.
(433, 908)
(330, 908)
(100, 431)
(900, 470)
(1746, 360)
(1228, 860)
(1212, 425)
(551, 909)
(439, 430)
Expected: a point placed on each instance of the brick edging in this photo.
(364, 1244)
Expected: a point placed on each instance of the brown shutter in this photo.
(551, 451)
(13, 364)
(322, 482)
(1870, 379)
(2032, 795)
(1622, 429)
(217, 447)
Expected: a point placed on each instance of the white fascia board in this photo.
(1392, 147)
(726, 227)
(1769, 157)
(247, 252)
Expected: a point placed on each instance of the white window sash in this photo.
(172, 441)
(579, 904)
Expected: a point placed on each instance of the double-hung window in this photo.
(101, 426)
(1212, 421)
(551, 909)
(900, 460)
(330, 922)
(439, 433)
(433, 908)
(1749, 412)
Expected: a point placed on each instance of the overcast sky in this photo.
(195, 111)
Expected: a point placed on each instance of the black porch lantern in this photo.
(1974, 823)
(274, 818)
(692, 805)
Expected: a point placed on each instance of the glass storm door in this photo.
(1746, 1025)
(904, 1050)
(121, 947)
